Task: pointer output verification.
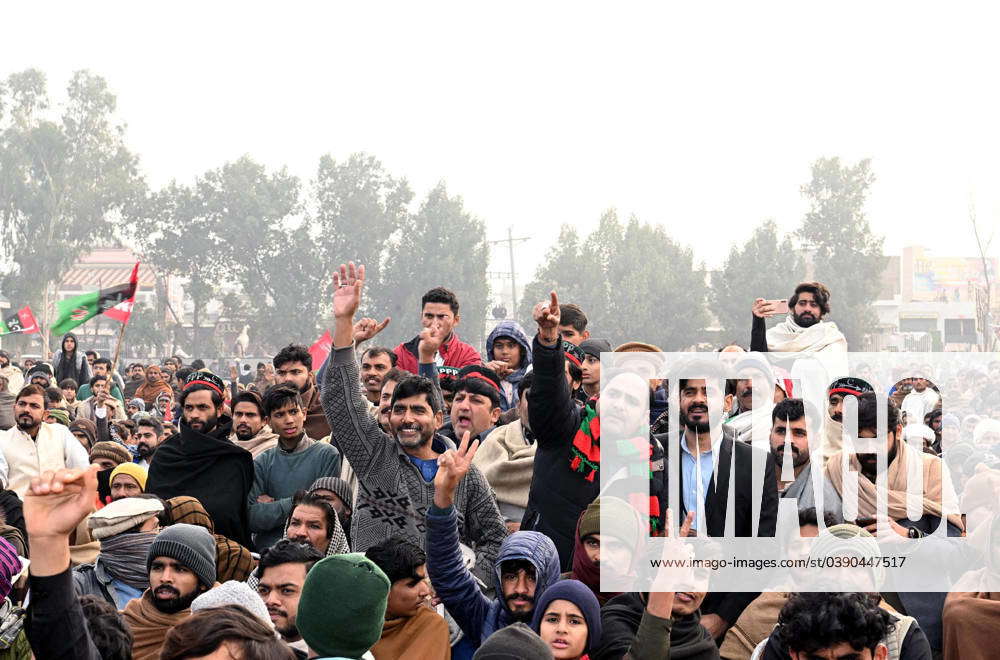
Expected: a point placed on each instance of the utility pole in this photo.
(510, 240)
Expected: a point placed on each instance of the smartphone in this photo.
(778, 307)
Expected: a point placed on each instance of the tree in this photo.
(633, 282)
(177, 235)
(847, 255)
(64, 180)
(143, 335)
(357, 206)
(443, 245)
(766, 266)
(276, 264)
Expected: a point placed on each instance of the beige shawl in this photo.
(907, 460)
(507, 460)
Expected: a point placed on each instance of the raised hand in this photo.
(453, 465)
(347, 284)
(367, 328)
(547, 317)
(501, 368)
(762, 308)
(661, 596)
(431, 339)
(56, 502)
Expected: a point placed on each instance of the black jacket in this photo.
(55, 624)
(209, 467)
(620, 622)
(559, 495)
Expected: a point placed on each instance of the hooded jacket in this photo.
(75, 366)
(508, 389)
(212, 469)
(478, 616)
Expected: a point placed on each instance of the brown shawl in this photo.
(896, 480)
(424, 635)
(971, 612)
(148, 392)
(149, 626)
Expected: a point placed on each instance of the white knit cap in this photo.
(234, 593)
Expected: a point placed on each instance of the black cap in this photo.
(594, 347)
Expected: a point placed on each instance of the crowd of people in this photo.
(429, 501)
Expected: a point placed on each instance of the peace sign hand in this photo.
(453, 465)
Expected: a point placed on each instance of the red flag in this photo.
(123, 311)
(21, 321)
(321, 349)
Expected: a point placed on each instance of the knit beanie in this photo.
(60, 415)
(514, 642)
(86, 427)
(192, 546)
(122, 515)
(138, 403)
(137, 472)
(340, 487)
(234, 593)
(10, 566)
(594, 347)
(580, 595)
(353, 626)
(112, 451)
(625, 526)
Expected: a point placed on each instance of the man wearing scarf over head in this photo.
(201, 462)
(126, 528)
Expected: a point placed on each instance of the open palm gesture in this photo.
(347, 283)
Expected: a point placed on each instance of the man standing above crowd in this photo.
(804, 330)
(396, 472)
(293, 364)
(201, 462)
(438, 306)
(294, 464)
(70, 362)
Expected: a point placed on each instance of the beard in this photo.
(174, 602)
(522, 617)
(145, 450)
(27, 423)
(697, 427)
(423, 439)
(805, 320)
(798, 458)
(244, 433)
(207, 426)
(289, 631)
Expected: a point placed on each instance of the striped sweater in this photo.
(393, 497)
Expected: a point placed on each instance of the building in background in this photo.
(928, 302)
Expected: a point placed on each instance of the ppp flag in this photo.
(21, 321)
(115, 302)
(321, 350)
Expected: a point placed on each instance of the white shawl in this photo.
(790, 337)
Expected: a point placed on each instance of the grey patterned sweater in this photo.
(393, 497)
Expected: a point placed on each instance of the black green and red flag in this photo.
(20, 321)
(115, 302)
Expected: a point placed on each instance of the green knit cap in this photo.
(361, 592)
(625, 523)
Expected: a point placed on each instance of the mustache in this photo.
(165, 588)
(524, 597)
(276, 611)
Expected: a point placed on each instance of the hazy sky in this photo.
(704, 118)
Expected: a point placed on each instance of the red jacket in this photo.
(455, 352)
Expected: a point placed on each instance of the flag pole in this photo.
(118, 348)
